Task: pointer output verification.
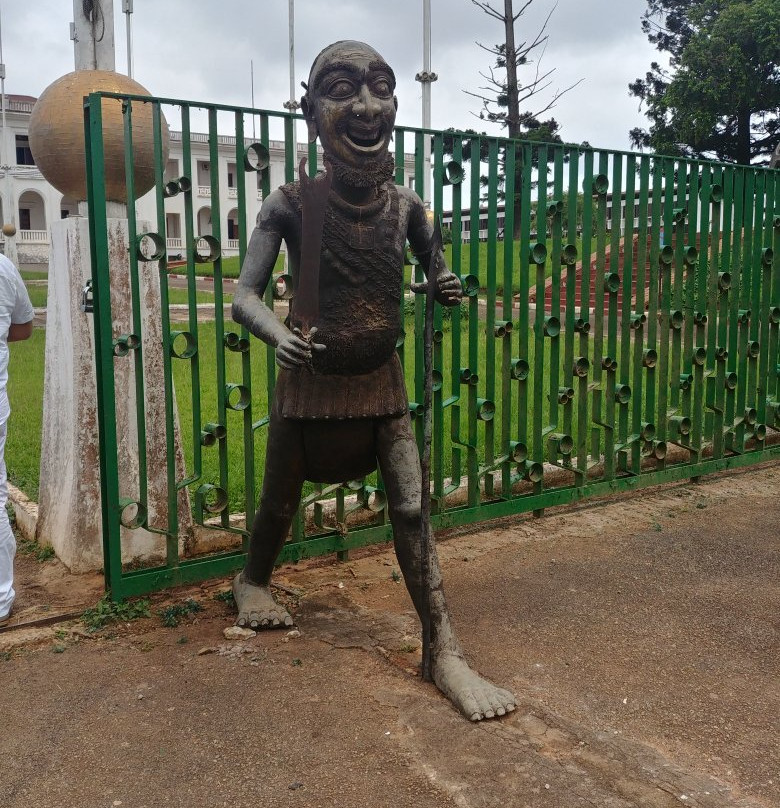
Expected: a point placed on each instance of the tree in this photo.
(505, 91)
(720, 97)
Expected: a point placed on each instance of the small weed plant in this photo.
(172, 615)
(106, 612)
(30, 547)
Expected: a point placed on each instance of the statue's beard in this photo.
(372, 174)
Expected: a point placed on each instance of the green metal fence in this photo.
(619, 330)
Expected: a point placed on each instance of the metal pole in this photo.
(291, 104)
(9, 206)
(426, 78)
(127, 8)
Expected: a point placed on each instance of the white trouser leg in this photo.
(7, 540)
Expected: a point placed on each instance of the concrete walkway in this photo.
(641, 635)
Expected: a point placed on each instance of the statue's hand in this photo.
(295, 349)
(450, 291)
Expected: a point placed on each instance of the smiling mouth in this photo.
(366, 140)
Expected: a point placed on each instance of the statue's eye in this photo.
(382, 88)
(341, 88)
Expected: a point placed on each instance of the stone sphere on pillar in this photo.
(9, 229)
(56, 135)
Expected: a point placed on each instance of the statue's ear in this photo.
(308, 114)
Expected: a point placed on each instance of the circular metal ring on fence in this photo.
(767, 255)
(467, 376)
(647, 430)
(256, 157)
(170, 189)
(581, 366)
(149, 247)
(283, 287)
(470, 284)
(776, 222)
(438, 336)
(678, 215)
(565, 394)
(582, 326)
(437, 380)
(185, 184)
(638, 320)
(207, 438)
(502, 327)
(751, 415)
(374, 500)
(538, 254)
(666, 254)
(724, 281)
(699, 318)
(211, 498)
(569, 255)
(699, 356)
(132, 514)
(485, 409)
(690, 256)
(237, 397)
(759, 432)
(650, 357)
(685, 381)
(600, 185)
(561, 444)
(721, 353)
(454, 173)
(622, 394)
(676, 319)
(206, 249)
(357, 484)
(533, 471)
(554, 207)
(219, 431)
(658, 449)
(743, 316)
(518, 452)
(681, 424)
(774, 314)
(125, 343)
(519, 368)
(753, 349)
(416, 410)
(611, 281)
(608, 363)
(716, 192)
(552, 326)
(183, 345)
(731, 380)
(234, 342)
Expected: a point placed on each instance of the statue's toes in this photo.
(242, 620)
(288, 621)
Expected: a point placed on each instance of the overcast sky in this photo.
(201, 50)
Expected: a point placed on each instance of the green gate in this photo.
(619, 329)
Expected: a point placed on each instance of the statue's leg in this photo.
(282, 484)
(399, 463)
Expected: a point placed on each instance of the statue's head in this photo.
(350, 104)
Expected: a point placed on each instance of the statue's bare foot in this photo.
(256, 607)
(474, 696)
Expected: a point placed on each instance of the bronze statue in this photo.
(340, 406)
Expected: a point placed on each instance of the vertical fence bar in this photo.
(507, 314)
(490, 317)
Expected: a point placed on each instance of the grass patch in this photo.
(34, 274)
(106, 612)
(172, 615)
(38, 295)
(30, 547)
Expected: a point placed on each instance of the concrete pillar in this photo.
(69, 500)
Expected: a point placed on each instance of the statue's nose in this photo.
(366, 105)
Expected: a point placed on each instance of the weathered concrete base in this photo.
(69, 503)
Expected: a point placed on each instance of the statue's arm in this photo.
(249, 308)
(274, 223)
(420, 235)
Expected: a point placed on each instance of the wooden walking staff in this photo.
(426, 539)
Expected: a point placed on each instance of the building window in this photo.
(23, 154)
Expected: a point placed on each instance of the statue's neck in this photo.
(355, 195)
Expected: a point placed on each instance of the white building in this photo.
(37, 203)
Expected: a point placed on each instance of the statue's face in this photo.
(352, 103)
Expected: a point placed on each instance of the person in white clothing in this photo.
(16, 323)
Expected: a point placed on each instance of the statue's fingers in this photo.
(317, 346)
(419, 288)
